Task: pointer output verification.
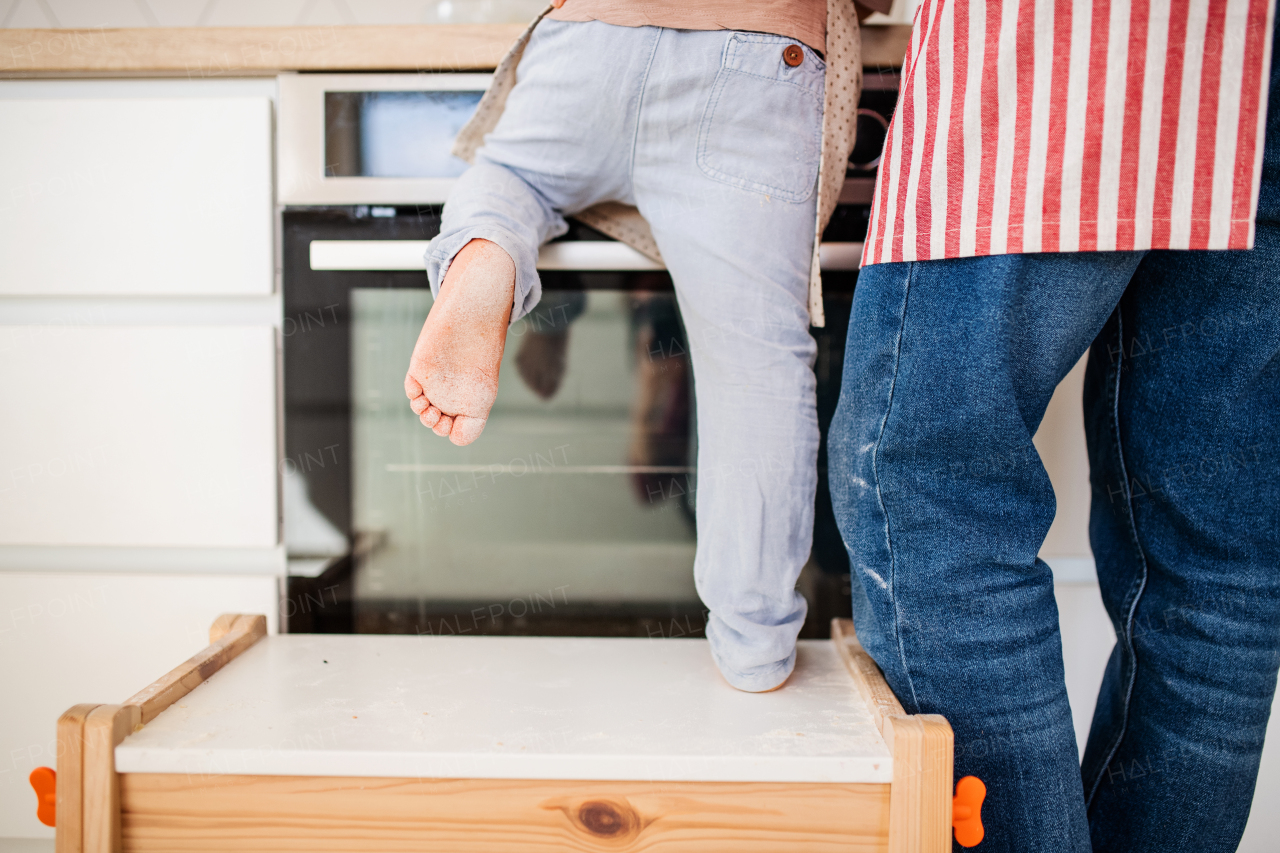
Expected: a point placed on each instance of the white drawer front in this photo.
(138, 436)
(145, 196)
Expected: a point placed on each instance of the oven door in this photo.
(574, 513)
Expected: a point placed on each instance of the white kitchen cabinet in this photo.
(160, 436)
(93, 637)
(154, 196)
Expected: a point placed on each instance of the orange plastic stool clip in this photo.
(966, 811)
(45, 781)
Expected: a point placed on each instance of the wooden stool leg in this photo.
(70, 805)
(105, 727)
(920, 799)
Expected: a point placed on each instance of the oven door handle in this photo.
(569, 255)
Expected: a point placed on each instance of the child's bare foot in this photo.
(777, 686)
(453, 372)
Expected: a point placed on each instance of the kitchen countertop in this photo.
(212, 52)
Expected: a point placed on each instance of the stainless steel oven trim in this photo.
(300, 139)
(584, 255)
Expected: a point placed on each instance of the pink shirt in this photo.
(802, 20)
(1075, 126)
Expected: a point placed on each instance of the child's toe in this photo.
(466, 430)
(412, 388)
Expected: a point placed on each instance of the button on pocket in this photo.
(762, 127)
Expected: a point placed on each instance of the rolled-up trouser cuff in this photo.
(754, 679)
(446, 245)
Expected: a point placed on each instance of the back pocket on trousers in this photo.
(762, 128)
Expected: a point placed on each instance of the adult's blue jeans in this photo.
(943, 504)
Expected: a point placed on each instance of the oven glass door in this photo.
(582, 486)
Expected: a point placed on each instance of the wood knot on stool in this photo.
(600, 822)
(607, 819)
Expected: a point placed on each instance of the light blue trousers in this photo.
(715, 138)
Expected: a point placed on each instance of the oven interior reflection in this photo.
(582, 485)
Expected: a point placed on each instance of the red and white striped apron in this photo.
(1075, 126)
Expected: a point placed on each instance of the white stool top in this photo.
(512, 708)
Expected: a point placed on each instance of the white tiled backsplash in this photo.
(260, 13)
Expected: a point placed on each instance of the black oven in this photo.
(575, 513)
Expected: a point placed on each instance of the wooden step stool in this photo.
(488, 744)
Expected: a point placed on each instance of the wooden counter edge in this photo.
(220, 52)
(230, 635)
(866, 675)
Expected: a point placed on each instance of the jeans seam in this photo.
(875, 467)
(644, 84)
(1135, 592)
